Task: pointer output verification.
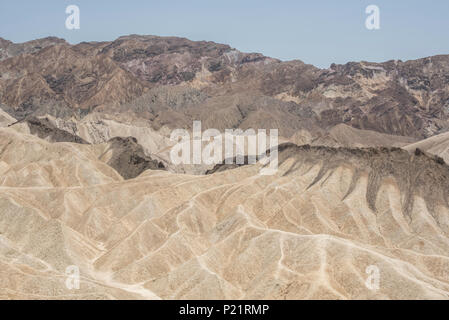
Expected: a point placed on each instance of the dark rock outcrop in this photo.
(401, 98)
(129, 159)
(44, 129)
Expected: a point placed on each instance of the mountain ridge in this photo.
(86, 179)
(307, 232)
(394, 97)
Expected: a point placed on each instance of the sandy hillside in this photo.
(310, 231)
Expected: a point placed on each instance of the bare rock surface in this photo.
(129, 158)
(86, 179)
(437, 145)
(44, 129)
(168, 81)
(307, 232)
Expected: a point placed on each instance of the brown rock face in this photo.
(58, 80)
(46, 130)
(9, 49)
(405, 98)
(129, 159)
(50, 76)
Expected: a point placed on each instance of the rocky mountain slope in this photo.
(310, 231)
(168, 81)
(437, 145)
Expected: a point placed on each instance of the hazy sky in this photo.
(316, 31)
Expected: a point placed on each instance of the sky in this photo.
(319, 32)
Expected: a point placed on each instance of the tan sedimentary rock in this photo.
(308, 232)
(437, 145)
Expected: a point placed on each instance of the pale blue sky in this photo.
(316, 31)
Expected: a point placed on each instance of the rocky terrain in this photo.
(308, 232)
(437, 145)
(168, 81)
(128, 158)
(86, 178)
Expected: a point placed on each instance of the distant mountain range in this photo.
(86, 179)
(168, 81)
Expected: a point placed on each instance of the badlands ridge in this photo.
(308, 232)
